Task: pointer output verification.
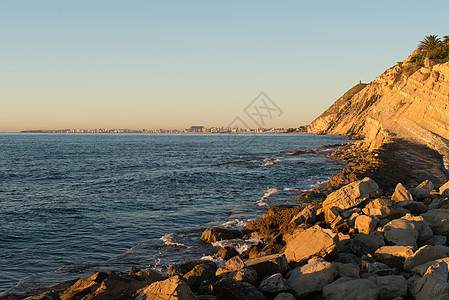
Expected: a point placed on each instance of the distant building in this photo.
(196, 128)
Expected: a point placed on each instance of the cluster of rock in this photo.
(356, 244)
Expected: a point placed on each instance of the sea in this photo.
(75, 204)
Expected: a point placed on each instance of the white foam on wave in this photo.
(169, 240)
(218, 261)
(268, 193)
(238, 244)
(265, 162)
(234, 224)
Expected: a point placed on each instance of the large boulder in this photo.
(422, 269)
(352, 194)
(234, 264)
(415, 207)
(391, 286)
(349, 288)
(366, 243)
(198, 274)
(438, 220)
(434, 282)
(268, 265)
(312, 241)
(273, 284)
(401, 193)
(169, 289)
(230, 289)
(312, 277)
(84, 286)
(422, 255)
(394, 256)
(214, 234)
(405, 231)
(226, 253)
(307, 215)
(285, 296)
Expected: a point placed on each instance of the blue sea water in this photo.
(73, 204)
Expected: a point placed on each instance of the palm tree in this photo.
(429, 43)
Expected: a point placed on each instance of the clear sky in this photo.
(172, 64)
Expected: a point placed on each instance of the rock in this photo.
(268, 265)
(444, 190)
(434, 282)
(330, 214)
(198, 274)
(402, 232)
(390, 286)
(48, 295)
(347, 213)
(171, 288)
(438, 203)
(307, 215)
(436, 240)
(366, 243)
(312, 241)
(421, 269)
(348, 258)
(226, 253)
(438, 220)
(427, 184)
(420, 193)
(273, 284)
(376, 268)
(312, 277)
(365, 224)
(414, 207)
(422, 255)
(394, 256)
(236, 290)
(401, 194)
(247, 275)
(183, 268)
(214, 234)
(234, 264)
(284, 296)
(352, 194)
(348, 288)
(255, 250)
(84, 286)
(348, 270)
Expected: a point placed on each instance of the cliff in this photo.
(402, 104)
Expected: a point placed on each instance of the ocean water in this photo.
(73, 204)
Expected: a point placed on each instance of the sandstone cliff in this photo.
(397, 105)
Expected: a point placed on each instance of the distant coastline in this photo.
(192, 129)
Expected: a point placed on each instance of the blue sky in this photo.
(172, 64)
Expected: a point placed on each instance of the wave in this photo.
(234, 224)
(264, 162)
(268, 193)
(238, 244)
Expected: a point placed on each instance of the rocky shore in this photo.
(375, 232)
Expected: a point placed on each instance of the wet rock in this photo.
(312, 277)
(349, 288)
(171, 288)
(365, 224)
(235, 290)
(366, 243)
(268, 265)
(401, 193)
(434, 282)
(394, 256)
(226, 253)
(182, 268)
(391, 286)
(253, 251)
(273, 284)
(234, 264)
(414, 207)
(438, 220)
(198, 274)
(352, 194)
(422, 255)
(312, 241)
(214, 234)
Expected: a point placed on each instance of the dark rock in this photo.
(255, 250)
(214, 234)
(180, 269)
(268, 265)
(200, 273)
(226, 253)
(366, 243)
(229, 289)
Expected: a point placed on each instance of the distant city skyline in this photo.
(155, 64)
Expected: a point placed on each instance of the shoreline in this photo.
(275, 227)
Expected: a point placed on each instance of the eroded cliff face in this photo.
(394, 106)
